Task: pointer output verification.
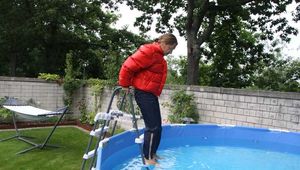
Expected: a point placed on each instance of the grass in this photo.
(72, 140)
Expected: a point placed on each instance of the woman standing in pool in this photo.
(146, 72)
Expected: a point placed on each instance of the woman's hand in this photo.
(128, 89)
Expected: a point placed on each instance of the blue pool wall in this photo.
(206, 134)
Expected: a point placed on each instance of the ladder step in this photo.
(102, 116)
(89, 155)
(140, 139)
(103, 142)
(97, 132)
(117, 113)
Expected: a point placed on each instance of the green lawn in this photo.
(67, 157)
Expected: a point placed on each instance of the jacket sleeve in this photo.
(140, 60)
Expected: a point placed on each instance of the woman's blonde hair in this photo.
(167, 38)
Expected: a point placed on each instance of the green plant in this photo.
(48, 76)
(182, 106)
(97, 87)
(83, 112)
(4, 113)
(86, 117)
(70, 82)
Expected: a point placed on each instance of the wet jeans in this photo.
(149, 105)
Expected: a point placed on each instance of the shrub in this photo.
(182, 106)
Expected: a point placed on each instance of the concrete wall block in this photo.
(260, 100)
(250, 99)
(220, 109)
(209, 101)
(241, 98)
(296, 103)
(240, 112)
(199, 100)
(285, 102)
(236, 98)
(283, 109)
(272, 115)
(263, 107)
(220, 102)
(241, 105)
(274, 101)
(267, 122)
(246, 112)
(259, 114)
(279, 123)
(229, 104)
(220, 121)
(234, 110)
(255, 120)
(205, 118)
(252, 113)
(218, 114)
(292, 110)
(204, 95)
(240, 118)
(253, 106)
(229, 110)
(287, 117)
(219, 96)
(271, 108)
(227, 122)
(265, 114)
(210, 107)
(279, 116)
(267, 101)
(253, 100)
(230, 97)
(229, 116)
(292, 126)
(294, 119)
(201, 106)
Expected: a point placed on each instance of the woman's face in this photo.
(167, 48)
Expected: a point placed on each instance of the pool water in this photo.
(217, 158)
(208, 147)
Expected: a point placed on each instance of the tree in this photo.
(196, 20)
(282, 75)
(36, 35)
(235, 54)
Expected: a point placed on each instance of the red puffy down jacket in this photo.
(145, 70)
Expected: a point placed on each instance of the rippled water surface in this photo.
(217, 158)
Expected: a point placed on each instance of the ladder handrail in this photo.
(106, 123)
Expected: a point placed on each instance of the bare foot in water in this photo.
(151, 162)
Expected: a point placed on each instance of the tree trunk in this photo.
(193, 57)
(193, 64)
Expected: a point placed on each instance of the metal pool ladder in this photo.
(101, 127)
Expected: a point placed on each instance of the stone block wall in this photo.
(47, 95)
(242, 107)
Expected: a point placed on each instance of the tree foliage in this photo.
(282, 75)
(197, 20)
(235, 54)
(35, 37)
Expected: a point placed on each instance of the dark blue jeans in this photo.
(149, 105)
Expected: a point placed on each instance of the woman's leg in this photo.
(148, 103)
